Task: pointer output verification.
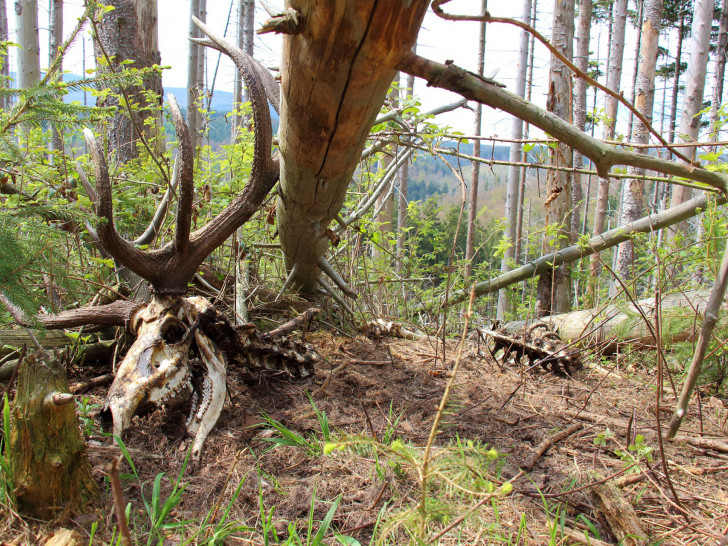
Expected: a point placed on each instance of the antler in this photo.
(169, 269)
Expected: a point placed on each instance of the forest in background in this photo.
(623, 264)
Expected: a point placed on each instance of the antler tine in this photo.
(258, 97)
(186, 177)
(237, 55)
(264, 172)
(123, 251)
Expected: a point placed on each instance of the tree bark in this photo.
(676, 81)
(335, 74)
(518, 243)
(119, 38)
(475, 180)
(29, 50)
(554, 286)
(699, 49)
(51, 471)
(4, 70)
(638, 45)
(614, 78)
(514, 172)
(581, 60)
(633, 189)
(246, 27)
(56, 41)
(720, 60)
(193, 91)
(149, 55)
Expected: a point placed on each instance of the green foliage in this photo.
(7, 497)
(85, 410)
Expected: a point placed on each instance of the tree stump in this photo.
(50, 467)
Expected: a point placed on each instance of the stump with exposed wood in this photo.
(51, 470)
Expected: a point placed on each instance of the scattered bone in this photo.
(539, 344)
(381, 327)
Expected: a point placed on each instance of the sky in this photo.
(438, 40)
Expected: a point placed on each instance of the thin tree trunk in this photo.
(581, 60)
(246, 34)
(193, 92)
(238, 89)
(473, 210)
(201, 68)
(514, 174)
(633, 189)
(56, 41)
(403, 204)
(554, 285)
(638, 45)
(676, 81)
(4, 70)
(699, 48)
(522, 187)
(384, 202)
(614, 78)
(720, 59)
(246, 23)
(29, 50)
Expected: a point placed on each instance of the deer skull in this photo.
(157, 370)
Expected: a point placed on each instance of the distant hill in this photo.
(221, 100)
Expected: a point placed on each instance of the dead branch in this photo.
(706, 332)
(596, 244)
(530, 461)
(604, 156)
(561, 57)
(301, 321)
(119, 504)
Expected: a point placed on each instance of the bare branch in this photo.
(556, 53)
(604, 156)
(706, 333)
(151, 233)
(327, 268)
(601, 242)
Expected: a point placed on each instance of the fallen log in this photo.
(621, 517)
(616, 324)
(92, 351)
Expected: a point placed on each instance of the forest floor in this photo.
(380, 397)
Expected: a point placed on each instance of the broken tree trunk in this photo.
(612, 325)
(336, 70)
(51, 471)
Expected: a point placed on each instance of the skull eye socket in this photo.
(173, 331)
